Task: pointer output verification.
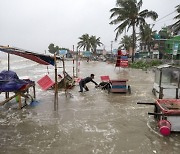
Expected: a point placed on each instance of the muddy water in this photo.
(92, 122)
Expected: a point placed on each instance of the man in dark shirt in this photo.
(82, 83)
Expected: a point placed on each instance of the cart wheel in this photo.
(109, 90)
(129, 89)
(28, 99)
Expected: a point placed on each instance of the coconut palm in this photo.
(176, 25)
(95, 42)
(126, 42)
(146, 35)
(84, 42)
(127, 14)
(89, 43)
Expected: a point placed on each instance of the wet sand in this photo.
(92, 122)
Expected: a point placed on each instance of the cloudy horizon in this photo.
(34, 24)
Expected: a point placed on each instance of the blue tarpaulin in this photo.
(9, 81)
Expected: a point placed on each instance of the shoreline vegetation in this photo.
(143, 64)
(150, 63)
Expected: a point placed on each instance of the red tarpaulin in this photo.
(39, 58)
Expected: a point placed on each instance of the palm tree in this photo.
(84, 42)
(89, 43)
(126, 42)
(146, 35)
(128, 15)
(176, 25)
(94, 43)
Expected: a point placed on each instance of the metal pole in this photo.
(177, 90)
(111, 46)
(160, 88)
(173, 52)
(73, 48)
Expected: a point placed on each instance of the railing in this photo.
(161, 92)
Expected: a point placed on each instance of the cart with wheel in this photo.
(117, 86)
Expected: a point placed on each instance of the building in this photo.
(172, 47)
(162, 49)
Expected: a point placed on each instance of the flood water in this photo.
(92, 122)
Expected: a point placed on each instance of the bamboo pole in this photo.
(20, 101)
(73, 64)
(34, 91)
(77, 63)
(7, 93)
(73, 69)
(7, 100)
(64, 77)
(8, 61)
(56, 85)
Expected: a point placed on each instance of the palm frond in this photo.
(153, 15)
(139, 5)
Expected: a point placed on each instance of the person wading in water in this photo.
(82, 83)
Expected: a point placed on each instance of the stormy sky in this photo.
(34, 24)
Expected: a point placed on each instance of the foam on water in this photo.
(90, 122)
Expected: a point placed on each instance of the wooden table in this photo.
(23, 92)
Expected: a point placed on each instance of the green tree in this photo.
(176, 25)
(146, 35)
(84, 42)
(127, 14)
(53, 49)
(89, 43)
(95, 42)
(126, 42)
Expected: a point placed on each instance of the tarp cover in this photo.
(39, 58)
(9, 81)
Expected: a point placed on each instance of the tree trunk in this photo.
(134, 41)
(149, 49)
(95, 51)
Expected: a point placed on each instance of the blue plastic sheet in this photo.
(9, 81)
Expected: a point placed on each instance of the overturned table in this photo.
(23, 92)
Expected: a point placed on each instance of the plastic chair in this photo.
(105, 78)
(45, 82)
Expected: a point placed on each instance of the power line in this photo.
(166, 20)
(165, 16)
(155, 22)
